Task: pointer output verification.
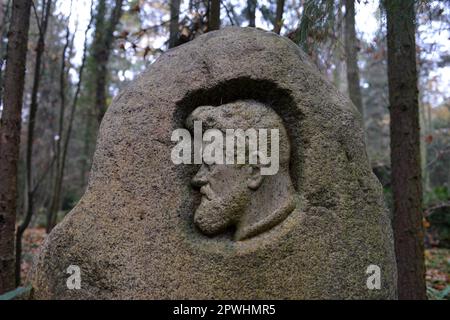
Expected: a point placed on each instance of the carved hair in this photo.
(243, 114)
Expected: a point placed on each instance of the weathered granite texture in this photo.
(133, 234)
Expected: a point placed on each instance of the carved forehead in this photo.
(237, 115)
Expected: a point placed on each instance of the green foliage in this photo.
(437, 195)
(268, 13)
(388, 197)
(70, 200)
(438, 212)
(317, 20)
(440, 222)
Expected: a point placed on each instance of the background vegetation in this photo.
(80, 53)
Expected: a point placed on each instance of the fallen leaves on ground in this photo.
(32, 239)
(437, 262)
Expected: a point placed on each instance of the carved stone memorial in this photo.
(149, 228)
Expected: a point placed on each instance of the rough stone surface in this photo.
(133, 234)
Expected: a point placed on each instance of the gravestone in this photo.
(148, 228)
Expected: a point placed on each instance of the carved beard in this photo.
(216, 213)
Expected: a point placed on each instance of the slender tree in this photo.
(405, 148)
(351, 53)
(56, 198)
(104, 39)
(279, 17)
(338, 53)
(251, 12)
(174, 22)
(10, 125)
(66, 139)
(214, 15)
(30, 188)
(4, 19)
(2, 13)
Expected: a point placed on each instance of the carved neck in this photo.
(270, 205)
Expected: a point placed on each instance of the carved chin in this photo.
(210, 219)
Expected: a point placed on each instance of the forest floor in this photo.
(437, 261)
(32, 240)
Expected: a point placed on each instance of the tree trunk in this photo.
(65, 146)
(405, 148)
(278, 25)
(4, 16)
(30, 135)
(10, 137)
(56, 199)
(174, 22)
(338, 54)
(251, 12)
(4, 13)
(102, 51)
(351, 53)
(214, 15)
(84, 165)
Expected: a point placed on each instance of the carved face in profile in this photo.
(238, 195)
(226, 192)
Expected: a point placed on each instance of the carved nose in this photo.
(201, 178)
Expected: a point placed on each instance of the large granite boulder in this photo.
(149, 229)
